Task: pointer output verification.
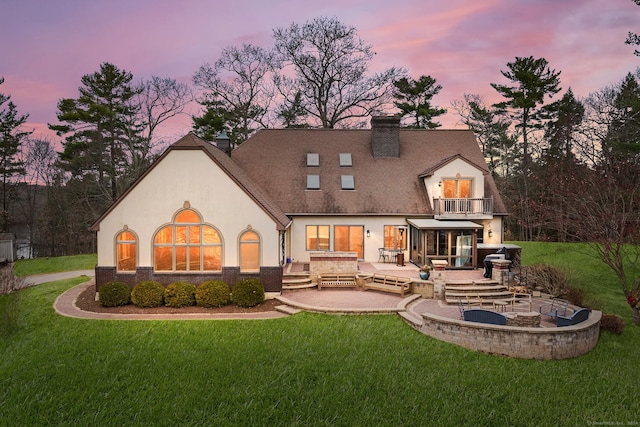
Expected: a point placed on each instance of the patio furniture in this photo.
(461, 308)
(500, 305)
(383, 255)
(575, 318)
(380, 282)
(484, 316)
(337, 280)
(558, 307)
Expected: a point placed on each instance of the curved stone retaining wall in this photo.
(525, 343)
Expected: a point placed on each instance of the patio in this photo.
(443, 321)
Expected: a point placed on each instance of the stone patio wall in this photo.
(526, 343)
(333, 262)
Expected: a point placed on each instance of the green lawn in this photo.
(30, 267)
(306, 369)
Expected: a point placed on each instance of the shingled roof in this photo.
(275, 159)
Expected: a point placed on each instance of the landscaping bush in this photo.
(114, 294)
(574, 296)
(147, 294)
(214, 293)
(247, 293)
(612, 323)
(547, 279)
(180, 294)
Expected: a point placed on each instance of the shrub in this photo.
(114, 294)
(574, 296)
(547, 279)
(612, 323)
(214, 293)
(180, 294)
(147, 294)
(247, 293)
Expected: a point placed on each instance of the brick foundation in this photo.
(271, 277)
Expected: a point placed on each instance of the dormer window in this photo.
(313, 182)
(313, 159)
(347, 182)
(345, 160)
(456, 188)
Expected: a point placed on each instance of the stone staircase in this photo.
(475, 291)
(293, 281)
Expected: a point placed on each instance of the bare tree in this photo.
(39, 159)
(492, 132)
(238, 84)
(159, 99)
(329, 64)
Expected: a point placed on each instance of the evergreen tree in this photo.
(533, 81)
(101, 131)
(414, 101)
(623, 138)
(561, 132)
(11, 138)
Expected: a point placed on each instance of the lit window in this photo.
(349, 238)
(347, 182)
(317, 237)
(249, 251)
(187, 245)
(458, 188)
(126, 245)
(392, 237)
(313, 182)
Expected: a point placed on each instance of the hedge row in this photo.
(213, 293)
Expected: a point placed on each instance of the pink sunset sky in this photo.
(47, 46)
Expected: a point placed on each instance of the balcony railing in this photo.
(463, 207)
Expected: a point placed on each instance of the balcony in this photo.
(463, 208)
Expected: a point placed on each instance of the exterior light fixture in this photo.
(490, 233)
(368, 233)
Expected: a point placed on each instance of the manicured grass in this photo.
(306, 369)
(29, 267)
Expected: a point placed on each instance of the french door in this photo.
(349, 238)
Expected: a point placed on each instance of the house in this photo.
(287, 193)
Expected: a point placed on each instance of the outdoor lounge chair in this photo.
(484, 316)
(575, 318)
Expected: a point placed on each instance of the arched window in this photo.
(126, 245)
(249, 251)
(187, 245)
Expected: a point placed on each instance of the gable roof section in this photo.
(444, 162)
(224, 162)
(275, 159)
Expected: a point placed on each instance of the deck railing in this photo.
(480, 206)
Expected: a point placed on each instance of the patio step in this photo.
(287, 309)
(297, 281)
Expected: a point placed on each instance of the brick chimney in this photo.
(385, 136)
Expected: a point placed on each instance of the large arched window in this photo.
(187, 245)
(126, 245)
(249, 251)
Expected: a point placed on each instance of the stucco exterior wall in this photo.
(453, 169)
(187, 176)
(375, 225)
